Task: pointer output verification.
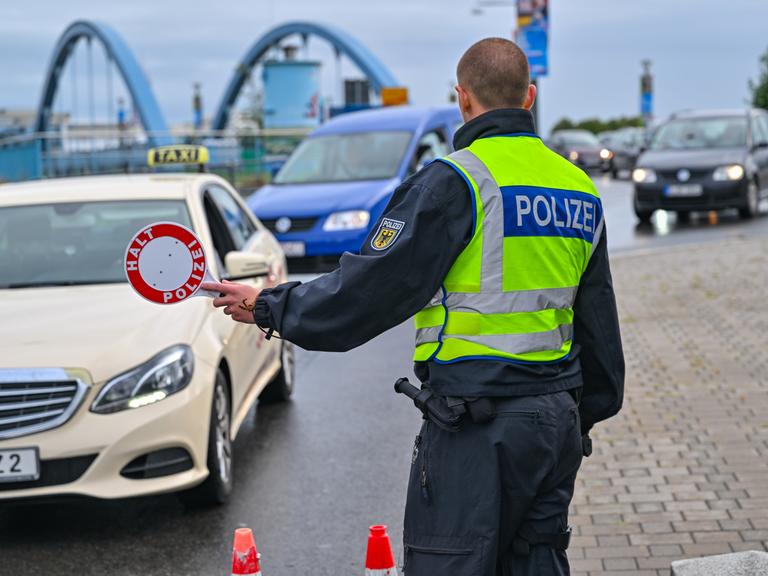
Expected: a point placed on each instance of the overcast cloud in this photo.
(703, 51)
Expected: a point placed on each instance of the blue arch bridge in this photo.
(47, 151)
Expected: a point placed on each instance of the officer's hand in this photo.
(237, 299)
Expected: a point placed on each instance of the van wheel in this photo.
(215, 489)
(751, 200)
(281, 386)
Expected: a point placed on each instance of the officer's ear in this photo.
(465, 103)
(530, 97)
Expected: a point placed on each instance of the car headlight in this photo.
(644, 176)
(606, 154)
(730, 172)
(348, 220)
(573, 155)
(163, 375)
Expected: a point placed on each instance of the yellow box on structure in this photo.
(394, 96)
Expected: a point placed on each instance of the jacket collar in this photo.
(494, 123)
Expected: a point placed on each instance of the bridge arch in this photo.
(378, 74)
(143, 98)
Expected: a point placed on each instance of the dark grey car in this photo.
(704, 160)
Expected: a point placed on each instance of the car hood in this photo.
(105, 329)
(299, 200)
(671, 159)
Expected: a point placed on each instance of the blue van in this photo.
(335, 185)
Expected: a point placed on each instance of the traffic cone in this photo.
(379, 560)
(245, 558)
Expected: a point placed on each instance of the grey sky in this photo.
(703, 50)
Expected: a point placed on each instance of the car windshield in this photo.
(579, 139)
(346, 157)
(75, 243)
(701, 133)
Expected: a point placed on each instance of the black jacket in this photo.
(375, 290)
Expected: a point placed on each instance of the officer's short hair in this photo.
(496, 72)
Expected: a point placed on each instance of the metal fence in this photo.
(247, 159)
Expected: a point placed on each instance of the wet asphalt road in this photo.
(310, 475)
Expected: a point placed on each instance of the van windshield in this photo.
(346, 157)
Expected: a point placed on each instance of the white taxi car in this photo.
(102, 393)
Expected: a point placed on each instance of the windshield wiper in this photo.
(50, 283)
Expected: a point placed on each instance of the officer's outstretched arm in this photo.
(399, 269)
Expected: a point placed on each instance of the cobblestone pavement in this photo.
(682, 471)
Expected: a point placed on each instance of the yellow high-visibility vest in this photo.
(510, 293)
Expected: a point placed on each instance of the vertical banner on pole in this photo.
(646, 93)
(532, 34)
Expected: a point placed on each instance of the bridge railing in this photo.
(247, 158)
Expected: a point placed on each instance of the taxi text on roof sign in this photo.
(177, 154)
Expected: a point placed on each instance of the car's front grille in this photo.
(297, 225)
(28, 407)
(695, 175)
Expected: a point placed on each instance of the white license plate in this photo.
(19, 464)
(293, 249)
(684, 190)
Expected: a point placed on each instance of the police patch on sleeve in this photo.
(386, 233)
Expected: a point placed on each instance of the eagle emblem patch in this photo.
(387, 233)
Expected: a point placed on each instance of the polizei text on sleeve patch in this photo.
(386, 233)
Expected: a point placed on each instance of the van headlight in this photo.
(348, 220)
(730, 172)
(156, 379)
(644, 176)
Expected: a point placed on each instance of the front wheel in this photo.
(281, 386)
(217, 487)
(643, 215)
(751, 202)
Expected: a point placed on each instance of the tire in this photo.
(281, 386)
(683, 216)
(215, 489)
(751, 202)
(643, 215)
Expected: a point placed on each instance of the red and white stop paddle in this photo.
(165, 263)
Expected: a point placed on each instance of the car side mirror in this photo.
(245, 265)
(759, 145)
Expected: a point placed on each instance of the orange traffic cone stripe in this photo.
(379, 559)
(245, 557)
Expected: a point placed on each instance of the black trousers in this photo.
(470, 491)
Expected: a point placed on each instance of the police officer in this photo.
(499, 251)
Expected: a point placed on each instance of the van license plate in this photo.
(293, 249)
(19, 464)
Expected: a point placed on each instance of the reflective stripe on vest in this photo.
(510, 293)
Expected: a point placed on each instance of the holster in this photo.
(446, 412)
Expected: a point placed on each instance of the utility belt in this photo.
(447, 412)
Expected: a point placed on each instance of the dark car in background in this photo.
(704, 160)
(625, 145)
(582, 148)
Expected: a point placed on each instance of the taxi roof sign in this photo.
(178, 154)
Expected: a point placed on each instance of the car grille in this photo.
(697, 175)
(31, 407)
(297, 224)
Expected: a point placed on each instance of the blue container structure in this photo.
(291, 94)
